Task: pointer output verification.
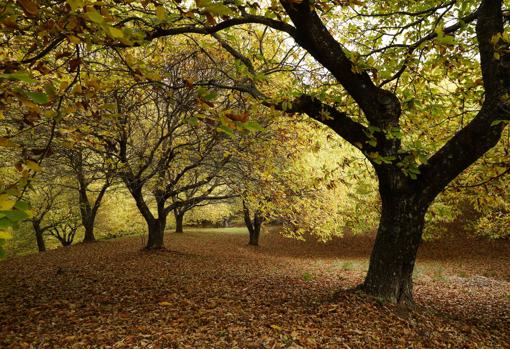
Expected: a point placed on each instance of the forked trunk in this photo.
(393, 256)
(156, 234)
(252, 225)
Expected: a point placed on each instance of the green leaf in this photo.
(95, 16)
(252, 126)
(22, 205)
(19, 76)
(226, 130)
(497, 122)
(37, 97)
(5, 223)
(16, 215)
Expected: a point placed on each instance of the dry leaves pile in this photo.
(213, 291)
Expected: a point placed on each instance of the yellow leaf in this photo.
(2, 115)
(166, 304)
(5, 235)
(75, 4)
(160, 13)
(6, 203)
(34, 166)
(74, 39)
(276, 327)
(116, 33)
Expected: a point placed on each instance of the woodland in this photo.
(236, 174)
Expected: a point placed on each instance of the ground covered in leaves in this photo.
(213, 291)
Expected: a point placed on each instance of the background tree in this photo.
(93, 174)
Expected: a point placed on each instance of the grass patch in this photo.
(229, 230)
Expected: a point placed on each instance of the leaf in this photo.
(6, 142)
(95, 16)
(161, 13)
(164, 303)
(20, 76)
(116, 33)
(497, 122)
(37, 97)
(6, 203)
(5, 235)
(16, 215)
(253, 126)
(75, 4)
(22, 205)
(30, 8)
(34, 166)
(74, 39)
(226, 130)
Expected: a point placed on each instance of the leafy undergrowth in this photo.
(213, 291)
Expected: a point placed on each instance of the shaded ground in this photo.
(213, 291)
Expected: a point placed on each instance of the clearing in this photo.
(213, 291)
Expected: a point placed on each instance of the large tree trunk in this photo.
(156, 233)
(179, 217)
(391, 266)
(88, 224)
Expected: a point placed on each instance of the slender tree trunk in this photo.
(253, 226)
(41, 246)
(179, 217)
(398, 237)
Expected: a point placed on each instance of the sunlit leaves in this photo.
(75, 4)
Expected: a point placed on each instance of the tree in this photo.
(371, 68)
(90, 169)
(51, 213)
(407, 187)
(159, 150)
(198, 195)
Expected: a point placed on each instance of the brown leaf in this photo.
(31, 8)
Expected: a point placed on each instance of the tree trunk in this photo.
(179, 217)
(41, 246)
(392, 260)
(88, 224)
(253, 226)
(156, 234)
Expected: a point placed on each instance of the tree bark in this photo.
(156, 228)
(41, 246)
(393, 256)
(179, 217)
(253, 226)
(89, 230)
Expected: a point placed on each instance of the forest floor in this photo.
(211, 290)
